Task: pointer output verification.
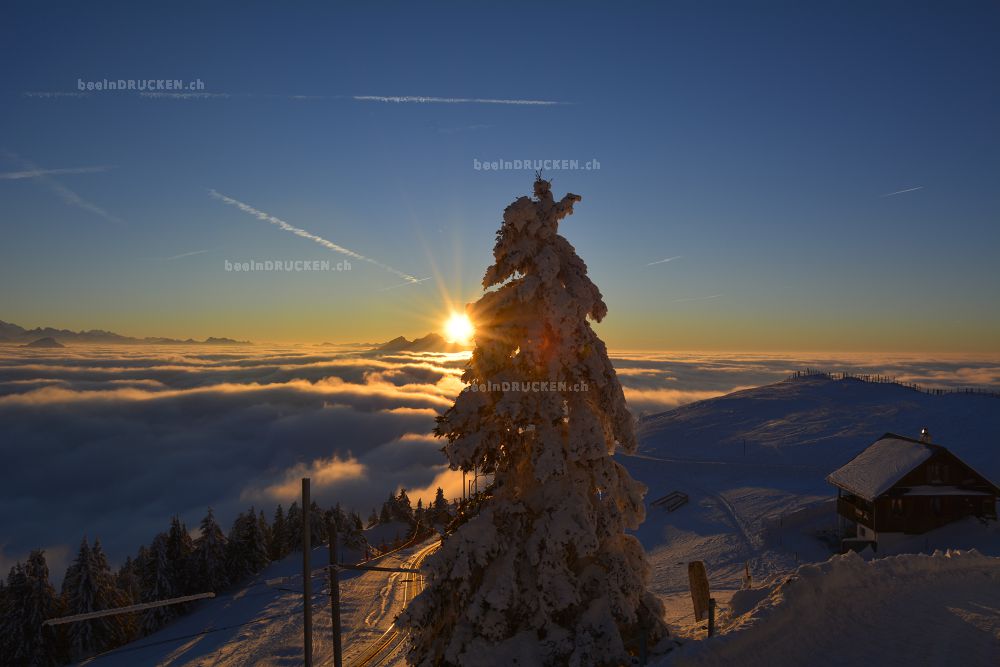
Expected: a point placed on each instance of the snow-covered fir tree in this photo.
(27, 601)
(156, 574)
(90, 586)
(180, 546)
(545, 574)
(247, 550)
(278, 548)
(209, 556)
(293, 533)
(317, 526)
(439, 508)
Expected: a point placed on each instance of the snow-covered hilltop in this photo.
(753, 464)
(820, 422)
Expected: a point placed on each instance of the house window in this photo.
(897, 506)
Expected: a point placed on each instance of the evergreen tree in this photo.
(545, 572)
(87, 587)
(129, 584)
(293, 520)
(279, 536)
(403, 508)
(317, 525)
(385, 516)
(28, 600)
(418, 512)
(180, 547)
(210, 572)
(265, 534)
(439, 508)
(157, 577)
(246, 552)
(373, 518)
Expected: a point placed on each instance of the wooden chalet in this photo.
(906, 486)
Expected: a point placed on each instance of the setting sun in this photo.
(458, 329)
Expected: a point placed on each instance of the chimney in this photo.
(925, 436)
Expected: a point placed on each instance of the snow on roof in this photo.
(873, 472)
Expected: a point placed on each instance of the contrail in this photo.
(180, 256)
(664, 261)
(35, 173)
(414, 282)
(48, 94)
(448, 100)
(185, 96)
(391, 99)
(267, 217)
(899, 192)
(697, 298)
(60, 190)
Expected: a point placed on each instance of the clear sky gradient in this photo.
(824, 174)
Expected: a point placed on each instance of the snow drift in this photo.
(939, 609)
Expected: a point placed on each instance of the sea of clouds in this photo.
(111, 441)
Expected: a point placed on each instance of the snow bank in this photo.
(940, 609)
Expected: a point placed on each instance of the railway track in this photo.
(383, 648)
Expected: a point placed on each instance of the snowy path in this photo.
(388, 648)
(262, 624)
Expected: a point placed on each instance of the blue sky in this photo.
(756, 141)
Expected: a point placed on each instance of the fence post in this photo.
(307, 640)
(338, 649)
(711, 617)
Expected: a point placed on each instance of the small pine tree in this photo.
(246, 552)
(27, 601)
(373, 518)
(87, 587)
(279, 536)
(209, 558)
(385, 516)
(293, 521)
(180, 546)
(317, 525)
(156, 575)
(418, 511)
(440, 508)
(128, 582)
(545, 574)
(403, 508)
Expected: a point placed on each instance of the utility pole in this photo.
(307, 639)
(338, 649)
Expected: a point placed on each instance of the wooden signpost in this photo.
(698, 579)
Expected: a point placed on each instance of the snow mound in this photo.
(939, 609)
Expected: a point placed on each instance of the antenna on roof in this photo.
(925, 436)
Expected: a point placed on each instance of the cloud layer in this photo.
(111, 441)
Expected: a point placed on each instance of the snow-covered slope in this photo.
(261, 622)
(767, 505)
(941, 609)
(818, 422)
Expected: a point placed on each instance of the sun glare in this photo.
(458, 329)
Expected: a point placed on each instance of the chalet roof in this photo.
(875, 470)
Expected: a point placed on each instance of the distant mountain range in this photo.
(44, 342)
(432, 342)
(12, 333)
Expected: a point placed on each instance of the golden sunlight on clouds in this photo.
(323, 472)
